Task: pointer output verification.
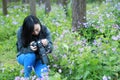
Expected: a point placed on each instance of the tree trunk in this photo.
(32, 7)
(47, 6)
(4, 5)
(78, 14)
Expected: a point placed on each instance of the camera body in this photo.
(41, 51)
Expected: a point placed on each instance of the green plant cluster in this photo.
(92, 53)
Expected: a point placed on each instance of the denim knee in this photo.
(28, 56)
(20, 59)
(30, 59)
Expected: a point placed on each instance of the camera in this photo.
(41, 52)
(37, 43)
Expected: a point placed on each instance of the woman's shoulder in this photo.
(19, 31)
(45, 29)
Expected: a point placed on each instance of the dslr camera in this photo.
(37, 43)
(41, 51)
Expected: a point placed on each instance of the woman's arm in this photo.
(49, 46)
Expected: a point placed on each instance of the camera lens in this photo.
(34, 44)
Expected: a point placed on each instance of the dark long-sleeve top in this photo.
(44, 34)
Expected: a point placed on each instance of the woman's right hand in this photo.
(34, 48)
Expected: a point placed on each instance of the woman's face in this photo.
(37, 29)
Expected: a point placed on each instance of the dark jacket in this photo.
(44, 34)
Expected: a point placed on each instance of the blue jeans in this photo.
(29, 61)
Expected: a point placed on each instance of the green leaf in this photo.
(86, 74)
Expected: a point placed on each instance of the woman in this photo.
(28, 54)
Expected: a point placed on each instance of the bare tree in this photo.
(4, 7)
(47, 6)
(78, 14)
(32, 7)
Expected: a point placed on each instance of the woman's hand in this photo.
(34, 48)
(44, 42)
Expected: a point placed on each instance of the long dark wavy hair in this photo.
(28, 28)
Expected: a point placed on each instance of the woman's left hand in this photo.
(44, 42)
